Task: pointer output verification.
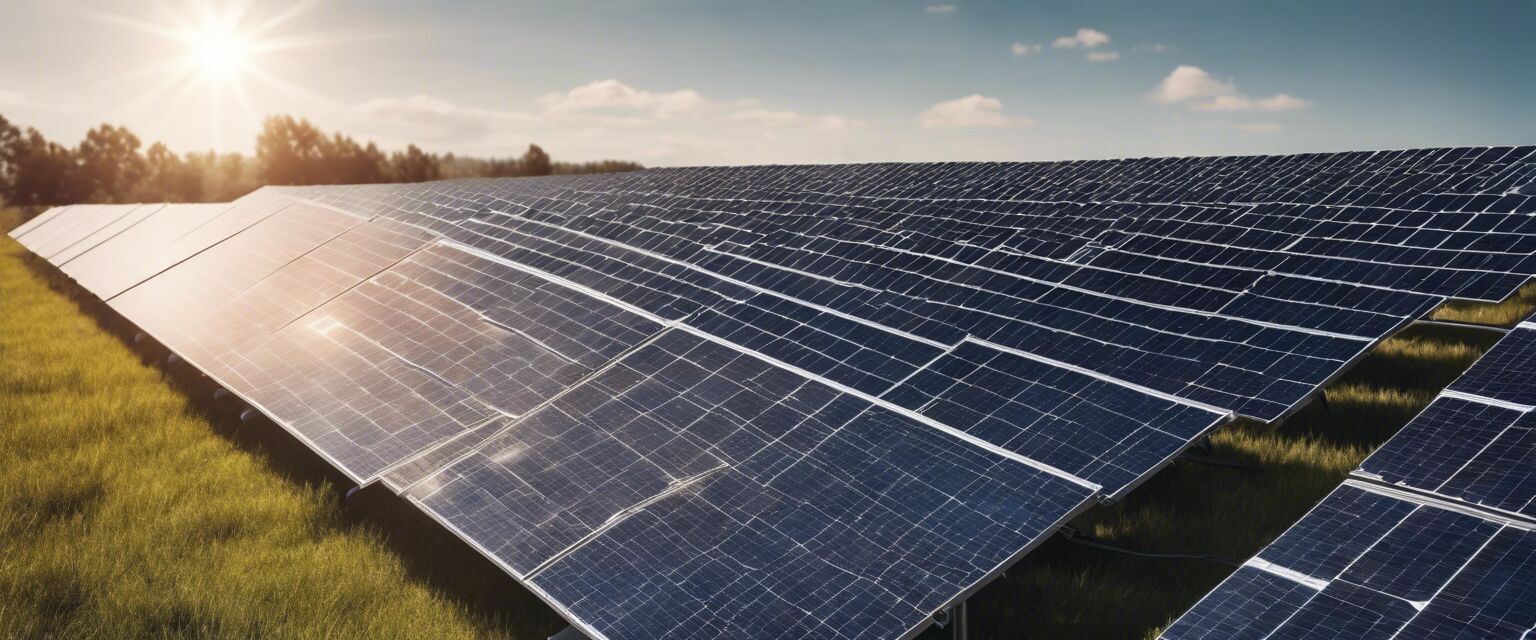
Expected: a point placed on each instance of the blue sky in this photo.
(709, 81)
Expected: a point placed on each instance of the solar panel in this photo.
(690, 478)
(117, 225)
(68, 227)
(1099, 260)
(139, 251)
(1433, 537)
(405, 351)
(844, 396)
(190, 288)
(36, 221)
(1107, 433)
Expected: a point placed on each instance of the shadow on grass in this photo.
(430, 553)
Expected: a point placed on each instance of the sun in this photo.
(219, 45)
(218, 53)
(219, 50)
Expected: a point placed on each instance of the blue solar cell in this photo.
(1336, 532)
(1109, 434)
(1504, 373)
(1416, 558)
(709, 480)
(1437, 443)
(1493, 597)
(865, 357)
(1344, 610)
(1249, 605)
(1503, 475)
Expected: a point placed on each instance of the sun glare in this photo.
(218, 53)
(219, 50)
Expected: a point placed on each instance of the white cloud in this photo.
(1103, 56)
(974, 110)
(1188, 82)
(606, 119)
(1197, 90)
(1277, 102)
(1158, 47)
(939, 8)
(612, 94)
(1025, 48)
(1085, 38)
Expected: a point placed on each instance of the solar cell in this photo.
(1098, 430)
(1504, 374)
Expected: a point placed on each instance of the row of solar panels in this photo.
(783, 400)
(1433, 537)
(644, 476)
(1246, 304)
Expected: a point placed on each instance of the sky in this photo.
(696, 82)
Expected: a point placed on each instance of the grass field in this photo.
(132, 505)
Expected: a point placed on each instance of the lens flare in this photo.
(218, 53)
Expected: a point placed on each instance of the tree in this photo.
(45, 173)
(290, 151)
(414, 165)
(344, 161)
(107, 166)
(535, 162)
(110, 164)
(169, 179)
(11, 146)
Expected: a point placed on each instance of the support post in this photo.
(959, 619)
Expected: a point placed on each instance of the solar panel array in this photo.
(1433, 537)
(796, 400)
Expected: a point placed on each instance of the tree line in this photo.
(107, 166)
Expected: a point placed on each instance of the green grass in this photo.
(127, 509)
